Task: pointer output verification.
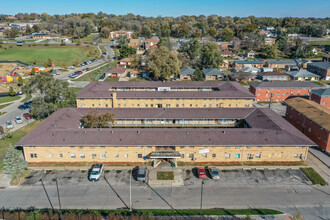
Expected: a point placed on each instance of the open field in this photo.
(325, 42)
(8, 99)
(68, 55)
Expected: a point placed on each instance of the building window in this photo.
(50, 155)
(177, 105)
(259, 146)
(205, 155)
(33, 155)
(227, 156)
(106, 105)
(139, 146)
(139, 155)
(73, 156)
(102, 156)
(117, 155)
(227, 147)
(204, 105)
(93, 156)
(299, 147)
(237, 147)
(61, 155)
(214, 155)
(309, 130)
(191, 156)
(182, 155)
(82, 156)
(237, 156)
(319, 137)
(258, 155)
(296, 155)
(125, 155)
(249, 156)
(192, 147)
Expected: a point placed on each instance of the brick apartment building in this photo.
(145, 135)
(157, 94)
(116, 34)
(321, 96)
(311, 119)
(280, 91)
(252, 63)
(320, 68)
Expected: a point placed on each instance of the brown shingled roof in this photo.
(268, 129)
(312, 110)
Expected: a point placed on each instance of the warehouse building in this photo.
(156, 94)
(152, 135)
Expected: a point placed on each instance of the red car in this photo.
(27, 116)
(85, 42)
(201, 173)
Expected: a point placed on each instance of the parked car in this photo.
(96, 172)
(18, 120)
(9, 125)
(1, 130)
(201, 173)
(214, 172)
(70, 67)
(87, 69)
(142, 174)
(27, 116)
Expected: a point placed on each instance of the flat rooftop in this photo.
(216, 89)
(267, 128)
(285, 84)
(312, 110)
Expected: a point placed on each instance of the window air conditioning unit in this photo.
(194, 158)
(303, 158)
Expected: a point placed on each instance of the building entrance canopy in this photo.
(164, 154)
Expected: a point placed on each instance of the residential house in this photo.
(281, 90)
(186, 73)
(312, 119)
(227, 53)
(303, 75)
(321, 96)
(116, 72)
(116, 34)
(212, 74)
(134, 43)
(326, 58)
(320, 68)
(247, 68)
(126, 61)
(267, 69)
(223, 45)
(224, 64)
(280, 64)
(253, 63)
(243, 76)
(250, 54)
(132, 73)
(151, 43)
(273, 76)
(269, 41)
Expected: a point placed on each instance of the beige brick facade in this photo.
(135, 154)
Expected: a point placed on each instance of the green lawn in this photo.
(314, 176)
(162, 175)
(9, 98)
(91, 76)
(16, 136)
(320, 42)
(69, 54)
(111, 79)
(90, 38)
(137, 79)
(4, 106)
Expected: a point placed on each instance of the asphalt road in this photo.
(313, 202)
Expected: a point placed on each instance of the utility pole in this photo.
(47, 194)
(201, 198)
(130, 190)
(59, 201)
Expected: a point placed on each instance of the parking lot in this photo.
(121, 177)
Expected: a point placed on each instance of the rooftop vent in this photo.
(223, 132)
(111, 132)
(138, 132)
(187, 132)
(85, 132)
(100, 129)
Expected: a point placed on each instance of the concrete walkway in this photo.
(165, 167)
(321, 156)
(319, 167)
(4, 180)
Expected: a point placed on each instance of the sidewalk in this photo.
(321, 156)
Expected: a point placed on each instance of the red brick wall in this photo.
(279, 95)
(312, 130)
(324, 101)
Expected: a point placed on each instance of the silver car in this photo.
(95, 172)
(214, 172)
(18, 120)
(9, 125)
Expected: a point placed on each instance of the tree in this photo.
(12, 91)
(211, 55)
(126, 51)
(36, 28)
(163, 63)
(14, 164)
(254, 41)
(213, 32)
(20, 81)
(49, 94)
(271, 51)
(193, 49)
(198, 75)
(35, 61)
(105, 32)
(146, 32)
(49, 63)
(13, 32)
(94, 119)
(227, 34)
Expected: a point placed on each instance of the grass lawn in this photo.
(26, 99)
(103, 49)
(111, 79)
(320, 42)
(90, 38)
(137, 79)
(9, 98)
(318, 83)
(69, 54)
(314, 176)
(246, 83)
(2, 163)
(161, 175)
(16, 136)
(4, 106)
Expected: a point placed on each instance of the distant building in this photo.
(212, 74)
(321, 96)
(134, 43)
(126, 61)
(250, 54)
(223, 45)
(116, 72)
(273, 76)
(253, 63)
(227, 53)
(320, 68)
(186, 73)
(116, 34)
(326, 58)
(269, 41)
(151, 43)
(243, 76)
(303, 75)
(280, 91)
(280, 64)
(311, 119)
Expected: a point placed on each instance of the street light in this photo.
(201, 197)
